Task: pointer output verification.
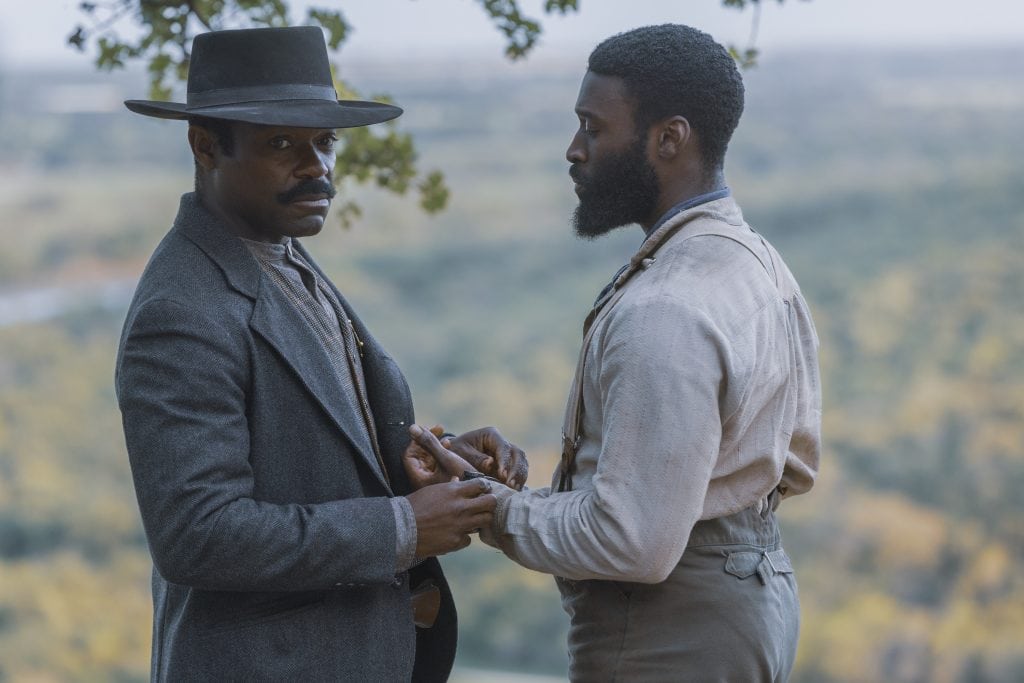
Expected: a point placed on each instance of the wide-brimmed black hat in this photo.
(269, 76)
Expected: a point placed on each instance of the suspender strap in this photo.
(572, 426)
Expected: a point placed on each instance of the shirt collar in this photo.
(688, 204)
(269, 251)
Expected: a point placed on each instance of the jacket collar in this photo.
(209, 233)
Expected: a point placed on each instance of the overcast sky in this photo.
(33, 32)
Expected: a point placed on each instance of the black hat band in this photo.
(261, 93)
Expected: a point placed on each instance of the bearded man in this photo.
(696, 405)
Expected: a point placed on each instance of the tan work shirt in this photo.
(701, 395)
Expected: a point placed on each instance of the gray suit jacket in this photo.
(266, 513)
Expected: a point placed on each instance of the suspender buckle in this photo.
(569, 448)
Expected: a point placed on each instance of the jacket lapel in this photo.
(277, 321)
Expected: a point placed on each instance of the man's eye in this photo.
(280, 143)
(328, 141)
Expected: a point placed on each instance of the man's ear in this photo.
(204, 147)
(673, 135)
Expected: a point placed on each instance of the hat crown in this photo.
(265, 76)
(259, 58)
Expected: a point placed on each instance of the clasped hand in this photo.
(447, 511)
(431, 460)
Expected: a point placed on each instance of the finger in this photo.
(485, 502)
(504, 458)
(478, 459)
(425, 439)
(513, 474)
(499, 449)
(452, 464)
(520, 468)
(480, 522)
(432, 451)
(437, 430)
(473, 489)
(480, 519)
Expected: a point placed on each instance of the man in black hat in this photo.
(264, 424)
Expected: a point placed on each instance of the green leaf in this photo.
(348, 213)
(434, 194)
(561, 6)
(522, 32)
(334, 22)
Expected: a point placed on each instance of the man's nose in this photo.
(575, 154)
(315, 163)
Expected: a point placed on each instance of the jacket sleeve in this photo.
(659, 369)
(181, 383)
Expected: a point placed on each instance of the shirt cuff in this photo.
(405, 534)
(490, 535)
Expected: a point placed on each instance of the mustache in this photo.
(576, 174)
(308, 187)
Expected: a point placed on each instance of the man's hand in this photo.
(488, 451)
(427, 460)
(447, 513)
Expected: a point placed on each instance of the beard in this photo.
(620, 190)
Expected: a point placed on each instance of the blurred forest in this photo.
(892, 183)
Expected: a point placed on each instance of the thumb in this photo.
(451, 463)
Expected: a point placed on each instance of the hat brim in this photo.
(294, 113)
